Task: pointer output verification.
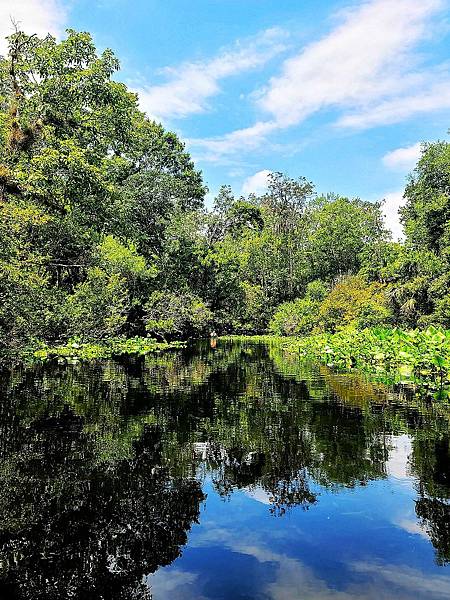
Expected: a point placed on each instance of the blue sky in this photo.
(340, 92)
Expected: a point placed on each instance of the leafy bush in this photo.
(299, 316)
(29, 307)
(353, 302)
(74, 350)
(416, 355)
(115, 257)
(176, 315)
(254, 309)
(25, 302)
(99, 306)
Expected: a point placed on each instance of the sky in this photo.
(341, 92)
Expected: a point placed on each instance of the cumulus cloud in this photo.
(403, 158)
(368, 68)
(174, 584)
(393, 202)
(398, 463)
(32, 16)
(192, 84)
(407, 579)
(256, 184)
(292, 579)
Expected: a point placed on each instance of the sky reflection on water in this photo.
(238, 473)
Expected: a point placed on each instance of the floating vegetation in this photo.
(419, 357)
(74, 349)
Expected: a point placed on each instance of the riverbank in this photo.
(418, 357)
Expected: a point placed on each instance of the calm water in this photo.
(227, 473)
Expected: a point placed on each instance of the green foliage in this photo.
(420, 273)
(299, 316)
(179, 315)
(421, 356)
(300, 239)
(28, 306)
(353, 302)
(426, 214)
(77, 350)
(104, 233)
(340, 230)
(88, 188)
(99, 306)
(254, 309)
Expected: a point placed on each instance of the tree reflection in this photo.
(102, 464)
(74, 527)
(431, 462)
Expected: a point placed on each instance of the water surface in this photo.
(229, 473)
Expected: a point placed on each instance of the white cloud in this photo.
(363, 59)
(256, 184)
(368, 68)
(412, 526)
(403, 158)
(395, 110)
(393, 201)
(236, 141)
(292, 579)
(407, 579)
(173, 584)
(191, 84)
(32, 16)
(398, 463)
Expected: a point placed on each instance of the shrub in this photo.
(353, 302)
(124, 260)
(299, 316)
(176, 315)
(254, 309)
(99, 306)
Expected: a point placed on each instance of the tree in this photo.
(340, 229)
(176, 315)
(426, 214)
(422, 284)
(300, 316)
(76, 152)
(353, 302)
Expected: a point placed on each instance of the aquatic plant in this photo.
(75, 350)
(418, 356)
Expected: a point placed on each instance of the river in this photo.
(235, 472)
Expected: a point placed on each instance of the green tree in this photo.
(340, 229)
(352, 302)
(101, 178)
(426, 214)
(299, 316)
(176, 315)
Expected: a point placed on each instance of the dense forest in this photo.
(104, 231)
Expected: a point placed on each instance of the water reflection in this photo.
(105, 467)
